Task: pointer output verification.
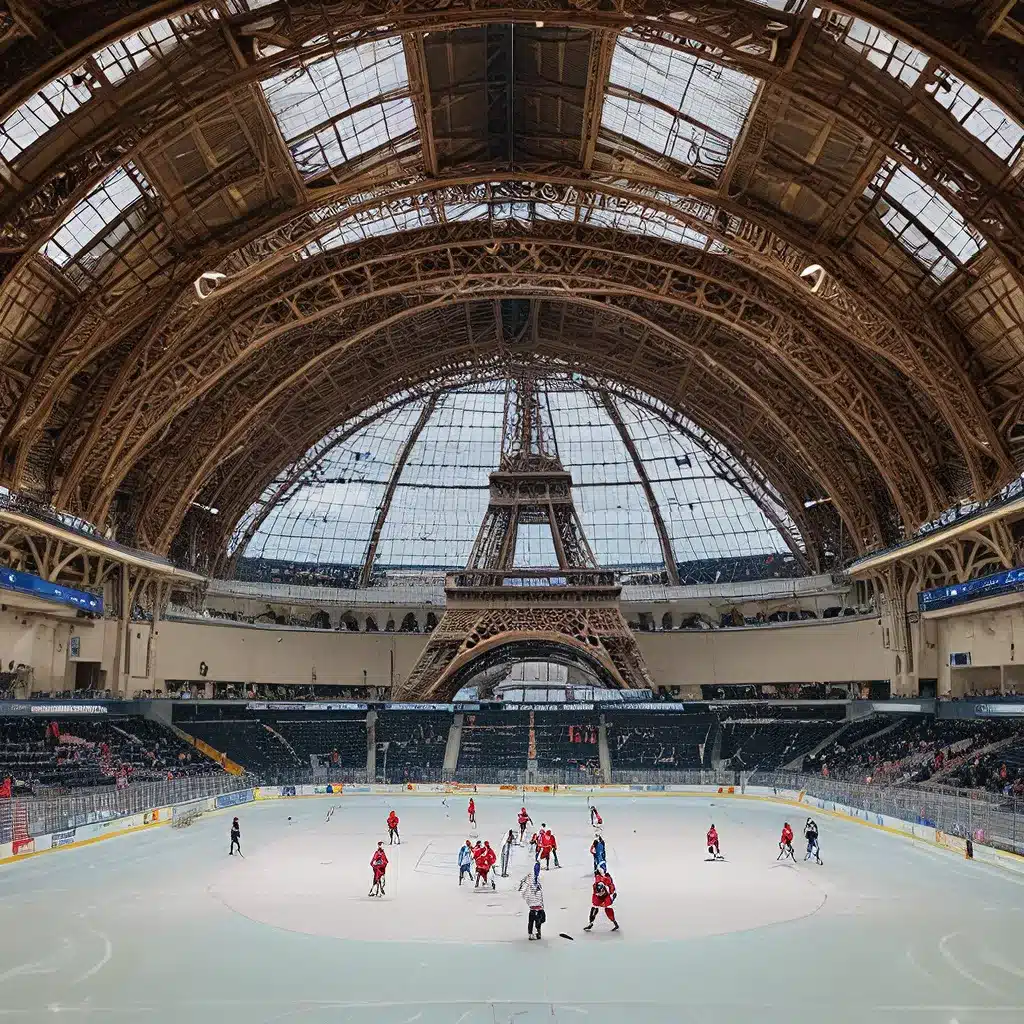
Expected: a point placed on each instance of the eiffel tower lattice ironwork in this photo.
(496, 612)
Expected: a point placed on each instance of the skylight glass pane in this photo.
(139, 50)
(786, 6)
(442, 496)
(589, 444)
(329, 515)
(39, 113)
(372, 224)
(688, 109)
(327, 111)
(985, 120)
(887, 52)
(95, 213)
(707, 516)
(617, 521)
(535, 547)
(618, 214)
(923, 223)
(442, 492)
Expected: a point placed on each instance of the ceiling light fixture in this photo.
(213, 276)
(814, 275)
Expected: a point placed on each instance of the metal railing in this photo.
(25, 506)
(984, 817)
(59, 811)
(430, 593)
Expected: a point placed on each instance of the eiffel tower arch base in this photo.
(468, 640)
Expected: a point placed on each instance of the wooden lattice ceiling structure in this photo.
(227, 228)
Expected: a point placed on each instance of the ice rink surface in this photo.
(162, 926)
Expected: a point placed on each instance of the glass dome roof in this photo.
(435, 452)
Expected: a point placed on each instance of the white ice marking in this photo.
(958, 967)
(34, 968)
(912, 959)
(108, 952)
(997, 961)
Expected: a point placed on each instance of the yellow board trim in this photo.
(710, 794)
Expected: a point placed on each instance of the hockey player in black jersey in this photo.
(811, 835)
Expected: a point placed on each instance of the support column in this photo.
(120, 666)
(371, 746)
(603, 753)
(667, 554)
(451, 750)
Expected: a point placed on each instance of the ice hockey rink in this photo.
(164, 926)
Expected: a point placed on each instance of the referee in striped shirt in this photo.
(534, 896)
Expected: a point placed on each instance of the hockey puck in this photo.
(563, 935)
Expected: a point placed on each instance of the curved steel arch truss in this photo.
(329, 294)
(839, 298)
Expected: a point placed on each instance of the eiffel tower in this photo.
(497, 613)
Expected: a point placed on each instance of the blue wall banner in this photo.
(998, 710)
(55, 710)
(1007, 582)
(27, 583)
(233, 799)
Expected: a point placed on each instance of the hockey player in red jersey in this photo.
(393, 829)
(595, 818)
(603, 897)
(713, 843)
(484, 857)
(547, 844)
(472, 811)
(379, 863)
(554, 847)
(786, 843)
(524, 820)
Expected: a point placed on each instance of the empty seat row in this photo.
(567, 742)
(328, 744)
(660, 742)
(411, 745)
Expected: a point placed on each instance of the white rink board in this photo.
(163, 926)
